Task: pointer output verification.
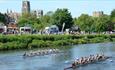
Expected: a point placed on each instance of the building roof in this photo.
(53, 26)
(25, 27)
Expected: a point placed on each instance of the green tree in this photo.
(2, 18)
(36, 23)
(26, 19)
(23, 21)
(61, 16)
(85, 22)
(113, 16)
(49, 13)
(102, 23)
(45, 20)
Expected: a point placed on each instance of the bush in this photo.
(11, 42)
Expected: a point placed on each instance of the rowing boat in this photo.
(41, 53)
(95, 61)
(74, 66)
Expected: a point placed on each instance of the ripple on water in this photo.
(14, 60)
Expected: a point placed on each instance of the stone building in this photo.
(97, 13)
(25, 6)
(37, 13)
(12, 16)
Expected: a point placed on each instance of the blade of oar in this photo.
(67, 68)
(69, 61)
(110, 60)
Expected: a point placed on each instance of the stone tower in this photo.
(25, 6)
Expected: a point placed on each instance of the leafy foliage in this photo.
(85, 22)
(12, 42)
(94, 24)
(113, 16)
(62, 16)
(102, 23)
(2, 18)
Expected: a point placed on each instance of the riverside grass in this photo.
(15, 42)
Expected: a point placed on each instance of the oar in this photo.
(110, 60)
(69, 61)
(68, 68)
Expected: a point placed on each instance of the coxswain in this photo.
(24, 54)
(73, 65)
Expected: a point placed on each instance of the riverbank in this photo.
(13, 42)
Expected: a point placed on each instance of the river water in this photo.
(14, 60)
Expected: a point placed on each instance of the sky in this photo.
(76, 7)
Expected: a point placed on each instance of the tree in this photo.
(2, 18)
(102, 23)
(62, 16)
(85, 22)
(46, 20)
(113, 16)
(23, 21)
(36, 23)
(49, 13)
(26, 19)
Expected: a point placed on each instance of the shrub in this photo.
(11, 42)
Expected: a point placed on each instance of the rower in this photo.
(103, 56)
(91, 58)
(39, 53)
(24, 54)
(82, 61)
(73, 65)
(77, 61)
(86, 60)
(50, 51)
(100, 58)
(96, 57)
(47, 52)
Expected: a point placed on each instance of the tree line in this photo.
(59, 17)
(96, 24)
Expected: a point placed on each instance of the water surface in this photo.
(14, 60)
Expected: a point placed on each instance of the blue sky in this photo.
(76, 7)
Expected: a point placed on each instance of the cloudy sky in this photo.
(76, 7)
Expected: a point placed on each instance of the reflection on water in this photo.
(15, 61)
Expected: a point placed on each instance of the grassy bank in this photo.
(12, 42)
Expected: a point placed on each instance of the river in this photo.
(13, 60)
